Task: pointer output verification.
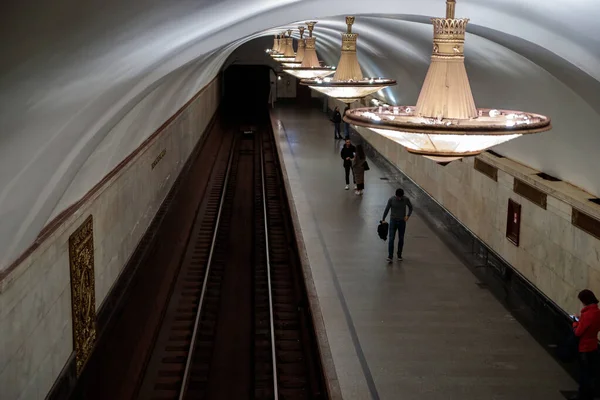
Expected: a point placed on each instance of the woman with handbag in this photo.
(359, 166)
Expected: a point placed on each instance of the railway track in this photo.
(237, 324)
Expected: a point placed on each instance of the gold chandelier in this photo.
(273, 50)
(287, 49)
(445, 125)
(310, 66)
(299, 53)
(278, 53)
(348, 83)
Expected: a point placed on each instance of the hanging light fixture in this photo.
(310, 67)
(348, 83)
(280, 47)
(445, 125)
(288, 49)
(299, 53)
(275, 44)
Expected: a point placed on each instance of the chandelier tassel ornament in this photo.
(445, 125)
(301, 46)
(348, 67)
(310, 51)
(446, 92)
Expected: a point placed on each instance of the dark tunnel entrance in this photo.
(245, 91)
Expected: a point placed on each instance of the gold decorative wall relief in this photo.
(83, 298)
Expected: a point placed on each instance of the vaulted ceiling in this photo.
(83, 83)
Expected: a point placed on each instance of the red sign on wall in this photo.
(513, 222)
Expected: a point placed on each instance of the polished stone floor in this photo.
(421, 329)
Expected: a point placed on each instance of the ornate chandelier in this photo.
(348, 83)
(278, 53)
(300, 53)
(288, 49)
(445, 125)
(310, 67)
(273, 50)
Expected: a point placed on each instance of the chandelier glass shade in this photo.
(447, 139)
(310, 67)
(348, 91)
(445, 125)
(348, 83)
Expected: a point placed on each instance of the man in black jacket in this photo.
(337, 120)
(347, 155)
(398, 204)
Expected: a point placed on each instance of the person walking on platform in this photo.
(398, 205)
(347, 155)
(337, 120)
(586, 329)
(359, 166)
(346, 125)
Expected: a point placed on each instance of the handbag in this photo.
(366, 166)
(382, 230)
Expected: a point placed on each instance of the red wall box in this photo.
(513, 222)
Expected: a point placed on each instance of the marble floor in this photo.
(421, 329)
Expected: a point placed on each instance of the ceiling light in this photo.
(273, 50)
(279, 46)
(348, 83)
(288, 49)
(299, 54)
(445, 125)
(301, 44)
(310, 67)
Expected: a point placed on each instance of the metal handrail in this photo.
(268, 262)
(186, 372)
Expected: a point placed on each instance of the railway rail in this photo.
(237, 323)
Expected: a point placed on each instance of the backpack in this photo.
(382, 230)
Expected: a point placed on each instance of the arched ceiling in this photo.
(82, 84)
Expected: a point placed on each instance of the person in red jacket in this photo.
(586, 329)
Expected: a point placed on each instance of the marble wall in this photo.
(35, 297)
(554, 255)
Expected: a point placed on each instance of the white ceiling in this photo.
(82, 85)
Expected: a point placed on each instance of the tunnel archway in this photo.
(246, 88)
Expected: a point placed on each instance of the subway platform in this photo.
(418, 329)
